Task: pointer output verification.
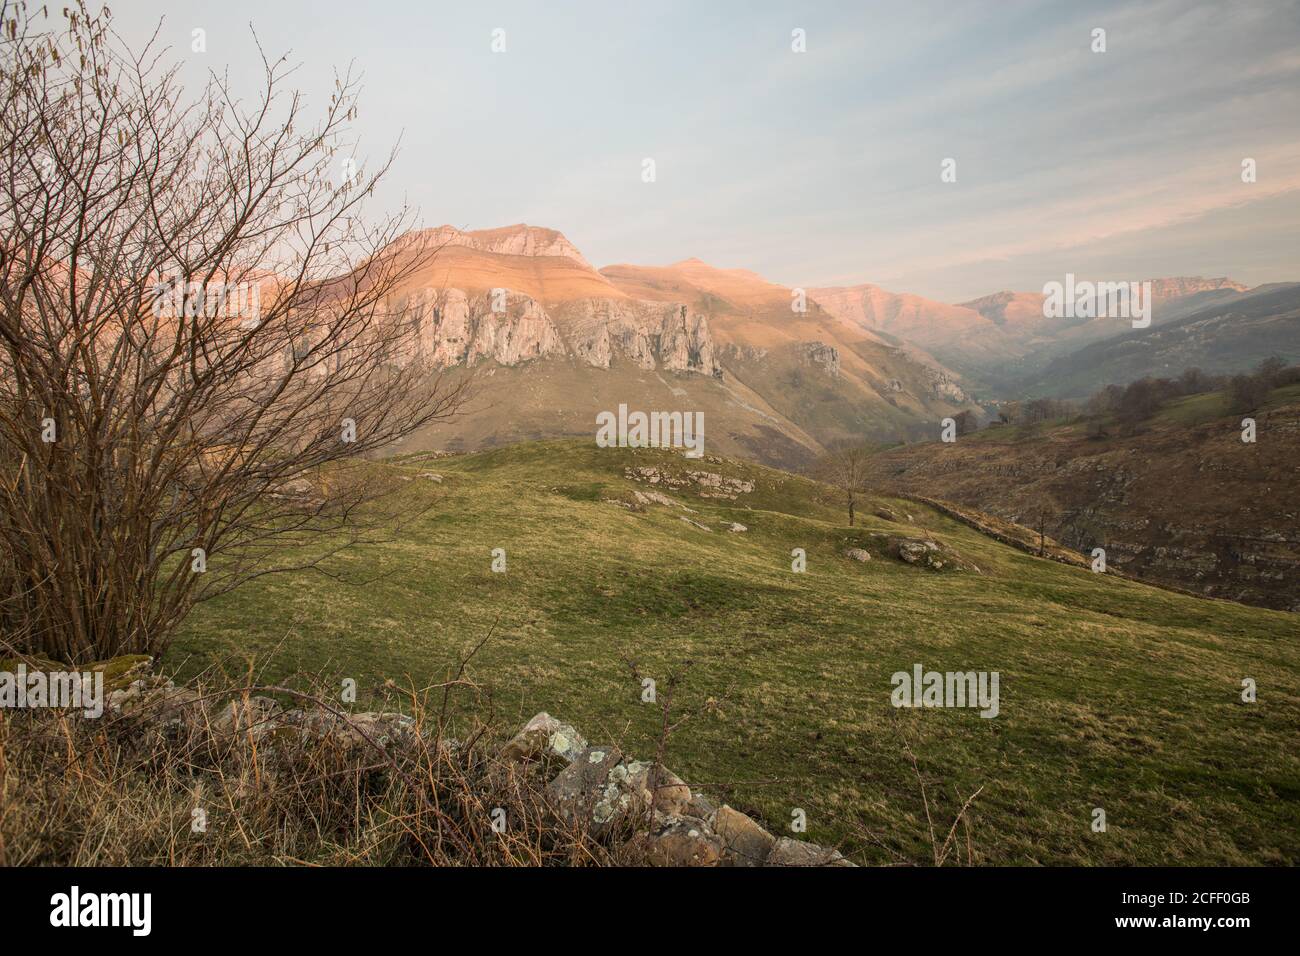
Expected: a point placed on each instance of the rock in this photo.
(734, 526)
(857, 554)
(701, 807)
(885, 514)
(578, 788)
(119, 672)
(681, 843)
(823, 355)
(788, 852)
(430, 476)
(654, 497)
(694, 524)
(744, 842)
(663, 790)
(544, 734)
(350, 732)
(928, 554)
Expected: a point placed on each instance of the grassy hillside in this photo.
(1177, 499)
(1113, 694)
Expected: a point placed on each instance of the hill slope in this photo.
(1113, 694)
(1231, 334)
(1184, 501)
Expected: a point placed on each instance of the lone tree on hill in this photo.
(197, 344)
(845, 467)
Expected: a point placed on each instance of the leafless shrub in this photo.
(157, 445)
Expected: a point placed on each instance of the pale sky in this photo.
(822, 167)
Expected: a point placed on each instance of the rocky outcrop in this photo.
(707, 484)
(929, 554)
(649, 334)
(824, 356)
(456, 328)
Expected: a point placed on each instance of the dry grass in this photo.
(128, 790)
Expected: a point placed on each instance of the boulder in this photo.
(788, 852)
(734, 526)
(926, 553)
(744, 842)
(579, 788)
(858, 554)
(543, 735)
(684, 842)
(648, 787)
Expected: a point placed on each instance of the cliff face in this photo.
(460, 328)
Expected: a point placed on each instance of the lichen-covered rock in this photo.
(683, 842)
(701, 807)
(736, 527)
(788, 852)
(744, 842)
(348, 732)
(119, 672)
(926, 553)
(649, 786)
(858, 554)
(580, 786)
(544, 734)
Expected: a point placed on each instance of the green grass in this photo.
(1113, 694)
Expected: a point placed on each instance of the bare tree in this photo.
(198, 337)
(845, 467)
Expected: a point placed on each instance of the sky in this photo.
(820, 167)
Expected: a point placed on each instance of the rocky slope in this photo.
(554, 342)
(1182, 502)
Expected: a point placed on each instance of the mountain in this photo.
(999, 339)
(1234, 333)
(1228, 529)
(554, 342)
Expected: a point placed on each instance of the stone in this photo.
(544, 734)
(682, 843)
(858, 554)
(663, 790)
(744, 842)
(580, 786)
(928, 554)
(788, 852)
(734, 526)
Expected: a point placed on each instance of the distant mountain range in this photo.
(999, 342)
(780, 375)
